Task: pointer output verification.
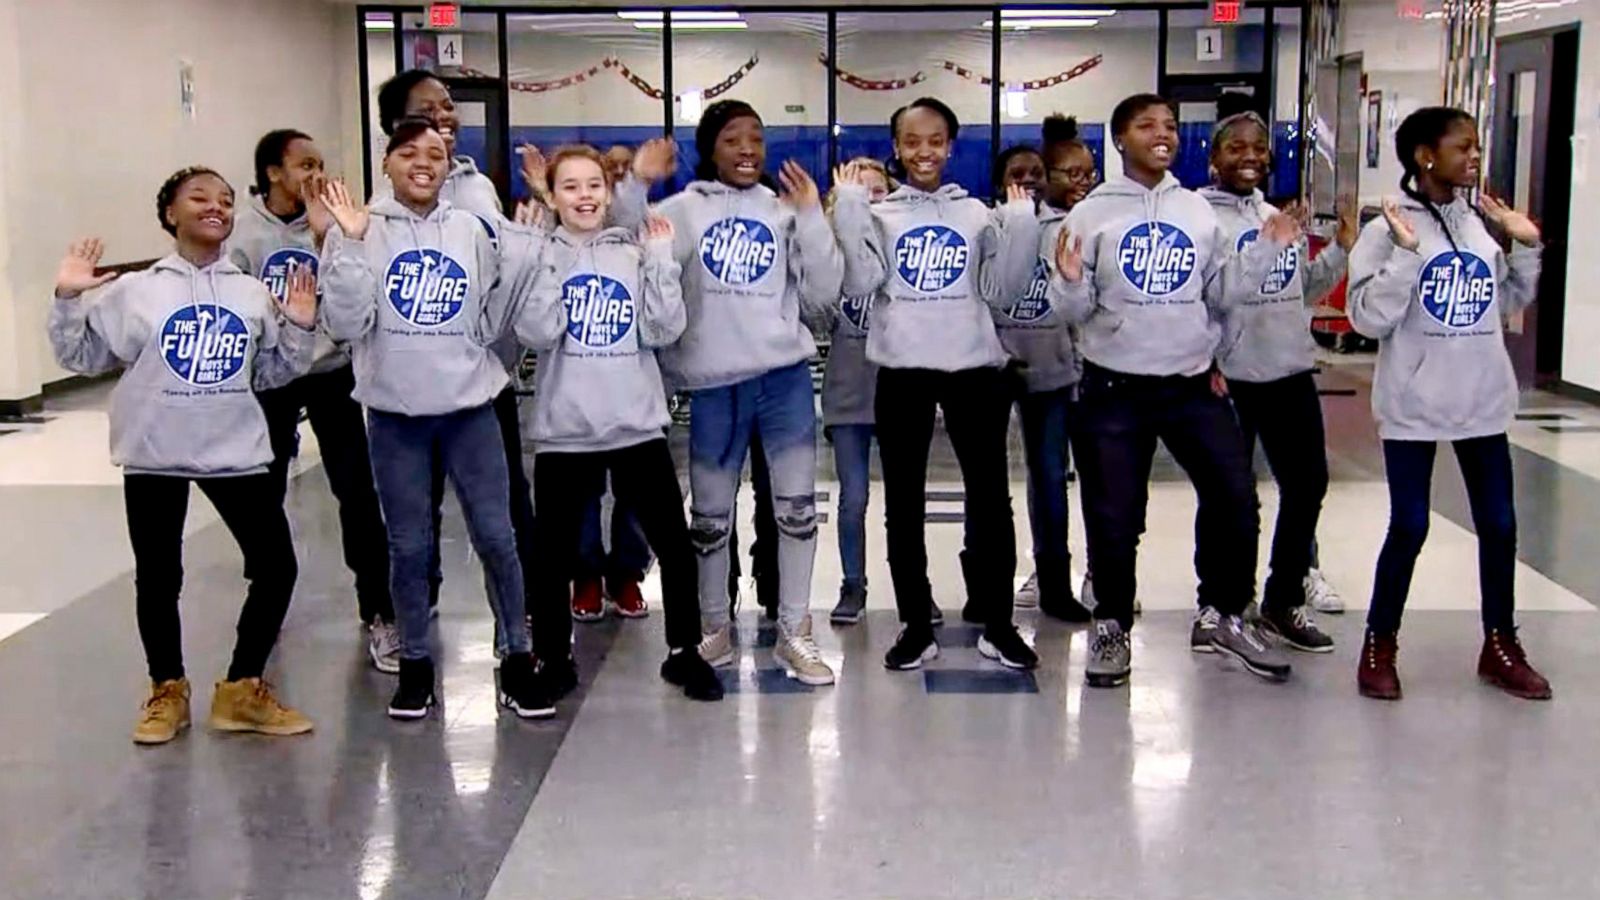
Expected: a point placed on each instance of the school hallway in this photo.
(962, 780)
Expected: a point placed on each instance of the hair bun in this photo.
(1058, 129)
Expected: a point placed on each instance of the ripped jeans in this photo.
(779, 406)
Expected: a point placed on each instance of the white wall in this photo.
(93, 126)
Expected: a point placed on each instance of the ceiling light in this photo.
(687, 15)
(1030, 24)
(1055, 13)
(379, 22)
(693, 26)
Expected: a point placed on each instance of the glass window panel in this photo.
(1242, 47)
(478, 53)
(1286, 104)
(887, 60)
(774, 64)
(570, 83)
(380, 68)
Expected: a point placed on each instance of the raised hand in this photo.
(1017, 193)
(656, 160)
(1349, 226)
(534, 167)
(352, 217)
(1517, 225)
(317, 215)
(658, 228)
(533, 215)
(76, 273)
(1069, 256)
(848, 173)
(1400, 229)
(1282, 228)
(619, 159)
(799, 190)
(299, 303)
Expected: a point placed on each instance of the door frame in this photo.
(491, 92)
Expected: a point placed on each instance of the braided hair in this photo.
(1425, 128)
(170, 188)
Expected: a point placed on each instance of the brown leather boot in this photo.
(1504, 665)
(1376, 677)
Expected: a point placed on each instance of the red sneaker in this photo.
(1504, 665)
(629, 602)
(1377, 677)
(588, 603)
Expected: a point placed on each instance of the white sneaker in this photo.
(1321, 595)
(383, 645)
(717, 647)
(801, 659)
(1028, 595)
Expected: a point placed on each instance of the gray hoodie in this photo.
(849, 379)
(1156, 267)
(264, 245)
(599, 308)
(1037, 339)
(755, 272)
(1266, 334)
(176, 411)
(954, 261)
(1443, 370)
(420, 300)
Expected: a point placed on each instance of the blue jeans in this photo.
(778, 404)
(852, 459)
(467, 443)
(628, 557)
(1486, 468)
(1044, 439)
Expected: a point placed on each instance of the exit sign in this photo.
(1226, 12)
(444, 15)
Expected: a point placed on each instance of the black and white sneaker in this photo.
(1244, 642)
(1295, 627)
(520, 689)
(557, 677)
(414, 696)
(911, 649)
(1206, 623)
(1006, 646)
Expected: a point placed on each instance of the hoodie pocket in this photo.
(1452, 391)
(205, 433)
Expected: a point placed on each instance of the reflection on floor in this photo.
(965, 780)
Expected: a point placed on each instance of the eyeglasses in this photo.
(1080, 176)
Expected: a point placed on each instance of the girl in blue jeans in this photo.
(420, 291)
(754, 263)
(1430, 281)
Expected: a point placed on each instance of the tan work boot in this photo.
(165, 714)
(249, 705)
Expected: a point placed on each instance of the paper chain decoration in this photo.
(611, 62)
(895, 84)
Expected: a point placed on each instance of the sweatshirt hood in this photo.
(462, 166)
(176, 263)
(258, 207)
(604, 237)
(907, 196)
(390, 208)
(1221, 198)
(718, 189)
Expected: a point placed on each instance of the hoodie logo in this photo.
(1156, 258)
(1283, 269)
(931, 258)
(275, 271)
(856, 311)
(426, 287)
(1035, 304)
(599, 309)
(204, 344)
(738, 251)
(1456, 289)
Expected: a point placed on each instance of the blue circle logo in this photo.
(738, 251)
(275, 271)
(856, 311)
(1035, 304)
(205, 345)
(599, 309)
(931, 258)
(1456, 289)
(1156, 258)
(426, 287)
(1283, 269)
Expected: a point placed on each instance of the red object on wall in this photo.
(1329, 316)
(444, 15)
(1226, 12)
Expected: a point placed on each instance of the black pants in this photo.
(1120, 417)
(976, 404)
(1287, 415)
(251, 508)
(643, 477)
(505, 412)
(764, 549)
(341, 432)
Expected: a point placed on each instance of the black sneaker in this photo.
(687, 670)
(1066, 609)
(520, 689)
(414, 696)
(852, 605)
(1006, 646)
(911, 649)
(935, 614)
(1295, 627)
(972, 613)
(557, 677)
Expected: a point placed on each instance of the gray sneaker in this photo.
(851, 606)
(1028, 595)
(383, 646)
(1206, 623)
(1243, 641)
(1110, 656)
